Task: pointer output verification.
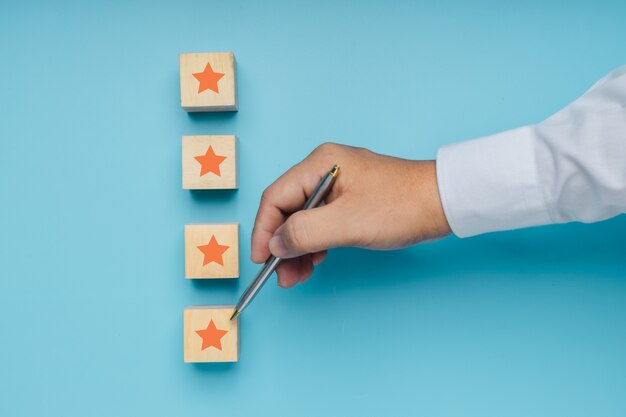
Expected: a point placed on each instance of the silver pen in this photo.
(318, 195)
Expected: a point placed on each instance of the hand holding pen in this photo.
(316, 198)
(377, 202)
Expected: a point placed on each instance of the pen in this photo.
(318, 195)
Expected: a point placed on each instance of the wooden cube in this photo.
(209, 162)
(207, 81)
(212, 250)
(210, 335)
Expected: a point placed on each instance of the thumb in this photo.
(309, 231)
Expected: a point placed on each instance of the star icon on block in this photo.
(211, 336)
(208, 79)
(213, 252)
(210, 162)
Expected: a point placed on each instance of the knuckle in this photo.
(365, 151)
(327, 147)
(267, 194)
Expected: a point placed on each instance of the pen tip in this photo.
(235, 315)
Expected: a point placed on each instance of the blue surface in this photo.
(92, 211)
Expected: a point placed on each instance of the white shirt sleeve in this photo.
(570, 167)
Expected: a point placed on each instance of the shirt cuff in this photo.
(491, 184)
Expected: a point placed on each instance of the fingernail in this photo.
(277, 247)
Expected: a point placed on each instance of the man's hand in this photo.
(377, 202)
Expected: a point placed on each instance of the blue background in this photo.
(92, 290)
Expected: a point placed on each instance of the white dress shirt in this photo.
(570, 167)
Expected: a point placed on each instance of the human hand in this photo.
(377, 202)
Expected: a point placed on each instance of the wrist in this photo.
(434, 221)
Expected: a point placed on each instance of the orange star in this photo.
(208, 79)
(210, 162)
(213, 252)
(211, 336)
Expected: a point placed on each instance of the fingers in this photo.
(292, 271)
(284, 196)
(268, 219)
(311, 231)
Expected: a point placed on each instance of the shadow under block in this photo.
(209, 162)
(212, 250)
(207, 81)
(210, 335)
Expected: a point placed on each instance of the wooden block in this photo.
(210, 335)
(212, 250)
(209, 162)
(207, 81)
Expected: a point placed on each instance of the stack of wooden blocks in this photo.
(208, 83)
